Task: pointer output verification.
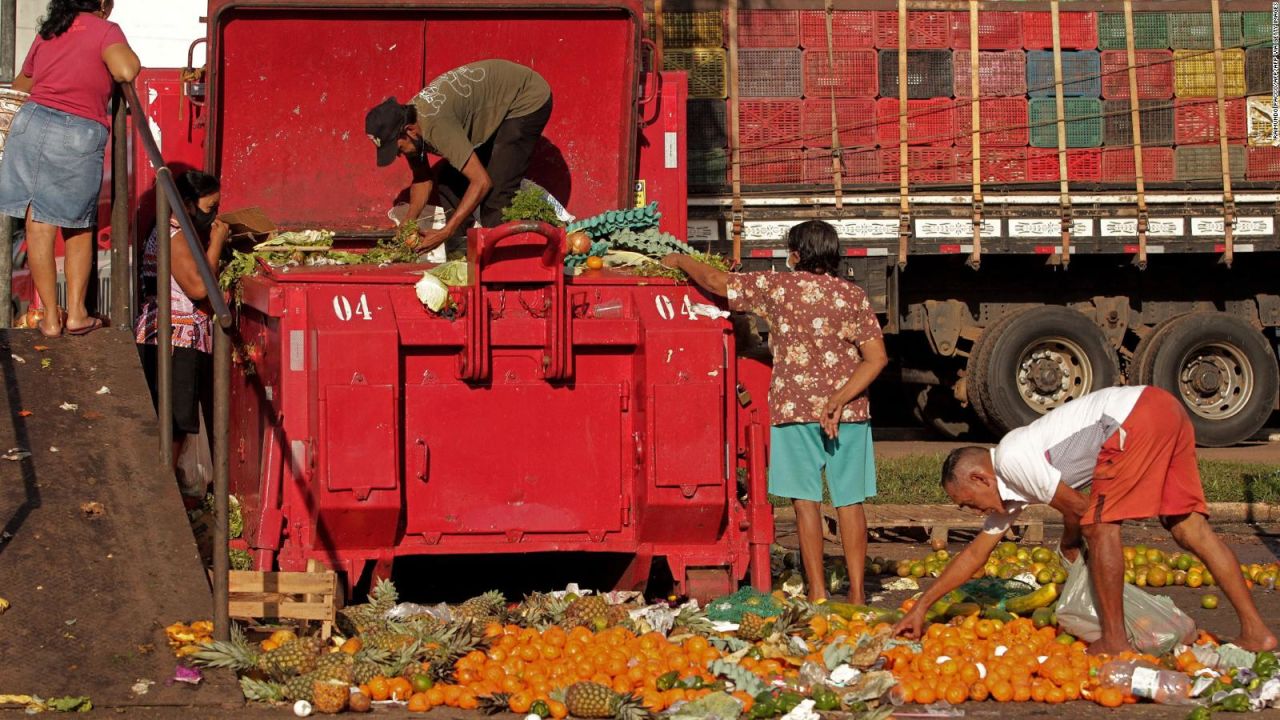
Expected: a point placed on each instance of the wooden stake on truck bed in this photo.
(1135, 118)
(735, 149)
(975, 115)
(904, 187)
(1228, 197)
(837, 177)
(1064, 186)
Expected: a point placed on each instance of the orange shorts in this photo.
(1148, 468)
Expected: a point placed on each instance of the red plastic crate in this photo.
(925, 29)
(1000, 166)
(854, 116)
(768, 29)
(771, 167)
(929, 122)
(1195, 121)
(996, 30)
(1077, 30)
(1000, 74)
(925, 166)
(1083, 165)
(857, 167)
(1154, 72)
(1004, 122)
(850, 29)
(771, 123)
(856, 73)
(1263, 163)
(1118, 165)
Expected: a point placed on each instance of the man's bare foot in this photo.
(1106, 646)
(1257, 641)
(857, 598)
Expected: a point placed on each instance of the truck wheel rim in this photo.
(1215, 380)
(1052, 371)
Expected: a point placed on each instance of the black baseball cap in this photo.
(384, 124)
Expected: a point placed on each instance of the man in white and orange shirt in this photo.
(1136, 447)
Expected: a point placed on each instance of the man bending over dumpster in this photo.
(1136, 446)
(483, 118)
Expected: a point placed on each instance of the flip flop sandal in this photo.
(94, 324)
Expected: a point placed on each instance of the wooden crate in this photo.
(939, 520)
(310, 596)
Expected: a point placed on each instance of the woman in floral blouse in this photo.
(827, 349)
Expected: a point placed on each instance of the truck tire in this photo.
(1224, 372)
(1027, 364)
(1144, 356)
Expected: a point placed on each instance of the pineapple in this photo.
(364, 671)
(588, 611)
(752, 627)
(692, 620)
(336, 666)
(483, 609)
(297, 657)
(540, 610)
(592, 700)
(390, 640)
(261, 691)
(494, 704)
(236, 654)
(359, 619)
(300, 687)
(794, 620)
(330, 696)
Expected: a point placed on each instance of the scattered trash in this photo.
(70, 704)
(104, 390)
(902, 583)
(803, 711)
(15, 454)
(4, 605)
(69, 406)
(70, 622)
(186, 674)
(91, 415)
(53, 449)
(25, 413)
(45, 363)
(142, 687)
(18, 359)
(93, 509)
(302, 708)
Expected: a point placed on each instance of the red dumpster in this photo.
(602, 413)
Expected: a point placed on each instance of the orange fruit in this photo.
(1055, 696)
(1001, 691)
(925, 694)
(978, 691)
(1109, 697)
(435, 695)
(400, 688)
(557, 708)
(1021, 693)
(520, 703)
(418, 703)
(352, 646)
(467, 701)
(379, 689)
(956, 693)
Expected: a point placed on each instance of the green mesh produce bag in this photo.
(730, 608)
(994, 591)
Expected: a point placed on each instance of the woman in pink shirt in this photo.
(51, 173)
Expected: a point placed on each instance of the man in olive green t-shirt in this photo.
(483, 118)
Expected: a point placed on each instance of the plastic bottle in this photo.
(1167, 687)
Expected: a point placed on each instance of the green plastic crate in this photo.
(1256, 28)
(1150, 31)
(1204, 163)
(1194, 31)
(1084, 122)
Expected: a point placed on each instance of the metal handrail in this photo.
(164, 181)
(168, 204)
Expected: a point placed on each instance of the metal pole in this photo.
(6, 271)
(8, 39)
(221, 428)
(121, 235)
(164, 329)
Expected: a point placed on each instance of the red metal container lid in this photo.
(291, 83)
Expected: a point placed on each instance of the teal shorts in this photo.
(798, 453)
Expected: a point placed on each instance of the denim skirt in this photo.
(53, 164)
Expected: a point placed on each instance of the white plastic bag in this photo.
(1153, 623)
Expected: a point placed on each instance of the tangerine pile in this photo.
(975, 659)
(529, 665)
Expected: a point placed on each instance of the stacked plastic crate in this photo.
(812, 100)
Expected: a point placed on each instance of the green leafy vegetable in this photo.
(531, 204)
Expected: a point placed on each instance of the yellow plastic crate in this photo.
(1194, 76)
(693, 29)
(707, 68)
